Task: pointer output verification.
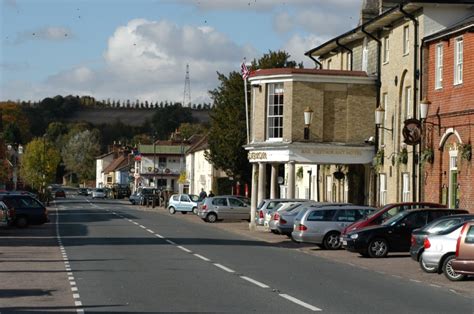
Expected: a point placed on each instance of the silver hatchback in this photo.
(223, 207)
(323, 225)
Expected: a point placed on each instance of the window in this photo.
(365, 56)
(385, 105)
(329, 64)
(328, 188)
(348, 215)
(220, 201)
(349, 61)
(321, 215)
(275, 111)
(383, 189)
(162, 162)
(405, 187)
(406, 40)
(453, 179)
(458, 60)
(439, 67)
(408, 107)
(235, 202)
(415, 220)
(470, 235)
(184, 198)
(386, 49)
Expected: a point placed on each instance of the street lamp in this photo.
(424, 105)
(15, 157)
(308, 116)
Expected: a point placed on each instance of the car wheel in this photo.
(195, 210)
(21, 222)
(332, 241)
(426, 268)
(364, 254)
(172, 210)
(449, 271)
(211, 217)
(378, 248)
(184, 213)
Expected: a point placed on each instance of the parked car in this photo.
(272, 215)
(393, 235)
(82, 191)
(135, 198)
(464, 258)
(439, 226)
(387, 212)
(183, 203)
(322, 224)
(59, 193)
(440, 251)
(223, 207)
(27, 210)
(268, 205)
(6, 215)
(99, 193)
(285, 222)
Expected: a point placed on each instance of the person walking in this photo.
(211, 194)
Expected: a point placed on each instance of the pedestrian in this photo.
(211, 194)
(202, 195)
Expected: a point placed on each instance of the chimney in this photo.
(388, 4)
(369, 10)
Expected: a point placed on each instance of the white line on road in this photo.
(299, 302)
(224, 268)
(150, 231)
(202, 257)
(255, 282)
(74, 289)
(184, 249)
(414, 280)
(159, 236)
(76, 296)
(143, 227)
(433, 285)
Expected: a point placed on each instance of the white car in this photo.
(98, 193)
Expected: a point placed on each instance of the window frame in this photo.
(408, 103)
(386, 49)
(273, 87)
(406, 191)
(406, 40)
(439, 56)
(458, 60)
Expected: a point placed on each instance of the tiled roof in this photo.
(163, 149)
(117, 164)
(202, 144)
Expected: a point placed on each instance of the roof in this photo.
(289, 71)
(117, 164)
(464, 24)
(104, 155)
(163, 149)
(201, 144)
(384, 19)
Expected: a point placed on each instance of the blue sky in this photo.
(138, 49)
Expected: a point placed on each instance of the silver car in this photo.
(270, 215)
(223, 207)
(99, 193)
(183, 203)
(285, 210)
(269, 205)
(322, 224)
(440, 251)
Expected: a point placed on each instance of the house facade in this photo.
(387, 48)
(449, 126)
(101, 163)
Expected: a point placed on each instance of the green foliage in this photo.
(403, 156)
(80, 152)
(466, 151)
(39, 157)
(189, 129)
(299, 173)
(274, 59)
(379, 159)
(169, 118)
(427, 155)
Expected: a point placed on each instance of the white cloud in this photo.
(266, 4)
(147, 60)
(297, 45)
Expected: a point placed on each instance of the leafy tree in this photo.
(189, 129)
(166, 120)
(228, 134)
(40, 157)
(80, 152)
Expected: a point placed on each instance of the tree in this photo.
(80, 152)
(227, 133)
(166, 120)
(189, 129)
(40, 157)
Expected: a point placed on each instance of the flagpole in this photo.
(246, 108)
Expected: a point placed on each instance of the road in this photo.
(120, 259)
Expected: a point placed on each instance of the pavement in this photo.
(397, 265)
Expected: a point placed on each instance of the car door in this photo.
(184, 203)
(400, 238)
(238, 209)
(220, 206)
(318, 222)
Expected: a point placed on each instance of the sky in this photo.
(139, 49)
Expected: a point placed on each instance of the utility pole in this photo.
(187, 89)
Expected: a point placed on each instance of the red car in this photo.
(385, 213)
(464, 261)
(59, 193)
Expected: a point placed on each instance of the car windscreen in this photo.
(377, 211)
(441, 225)
(194, 198)
(261, 204)
(395, 219)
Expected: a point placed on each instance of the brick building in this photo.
(449, 128)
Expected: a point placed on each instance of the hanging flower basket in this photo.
(299, 173)
(466, 152)
(403, 156)
(339, 175)
(427, 155)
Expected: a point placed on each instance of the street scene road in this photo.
(109, 256)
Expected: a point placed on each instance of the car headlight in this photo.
(354, 236)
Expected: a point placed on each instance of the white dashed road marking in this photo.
(202, 257)
(224, 268)
(255, 282)
(184, 249)
(299, 302)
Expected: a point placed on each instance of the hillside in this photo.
(134, 117)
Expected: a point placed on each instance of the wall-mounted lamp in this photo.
(308, 116)
(379, 117)
(424, 107)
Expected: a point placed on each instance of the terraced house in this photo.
(388, 46)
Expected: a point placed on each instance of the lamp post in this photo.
(424, 106)
(308, 116)
(15, 153)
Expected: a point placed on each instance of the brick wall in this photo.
(453, 107)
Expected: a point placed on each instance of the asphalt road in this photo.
(125, 260)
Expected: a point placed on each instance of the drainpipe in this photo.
(415, 89)
(378, 84)
(421, 197)
(319, 64)
(347, 49)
